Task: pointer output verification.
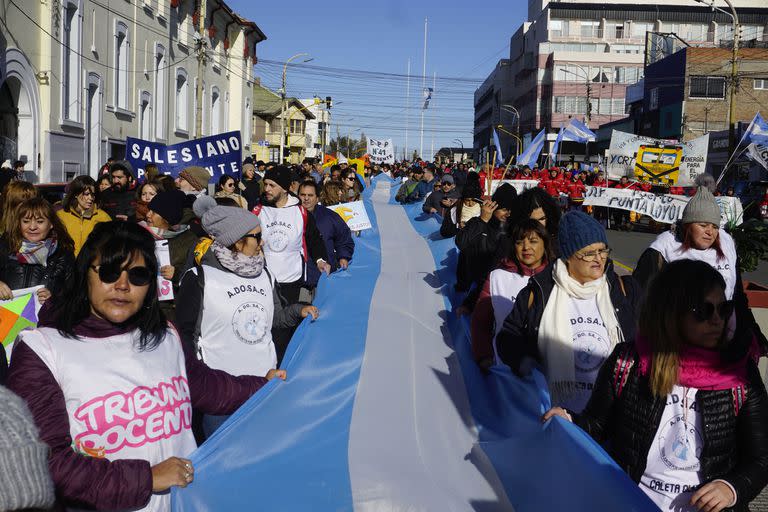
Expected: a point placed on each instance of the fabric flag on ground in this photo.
(532, 152)
(384, 408)
(499, 155)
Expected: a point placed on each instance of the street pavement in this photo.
(629, 245)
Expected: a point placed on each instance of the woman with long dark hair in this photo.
(531, 251)
(675, 410)
(110, 385)
(227, 186)
(79, 212)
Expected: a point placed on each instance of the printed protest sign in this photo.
(662, 208)
(658, 161)
(164, 286)
(354, 214)
(17, 314)
(381, 151)
(220, 154)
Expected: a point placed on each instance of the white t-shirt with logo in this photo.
(122, 403)
(672, 469)
(591, 346)
(283, 233)
(235, 331)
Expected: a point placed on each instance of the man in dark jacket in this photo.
(250, 185)
(443, 198)
(425, 187)
(336, 234)
(119, 201)
(480, 239)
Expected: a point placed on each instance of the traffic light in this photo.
(328, 102)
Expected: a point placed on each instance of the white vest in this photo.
(122, 403)
(283, 233)
(504, 287)
(235, 332)
(669, 248)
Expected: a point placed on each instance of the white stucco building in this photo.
(78, 76)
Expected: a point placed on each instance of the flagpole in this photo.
(423, 88)
(722, 174)
(432, 145)
(407, 107)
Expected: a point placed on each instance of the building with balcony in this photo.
(78, 77)
(577, 58)
(270, 123)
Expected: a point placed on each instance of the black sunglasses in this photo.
(257, 236)
(704, 311)
(138, 276)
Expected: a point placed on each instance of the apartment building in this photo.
(79, 76)
(577, 58)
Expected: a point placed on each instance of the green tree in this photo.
(350, 147)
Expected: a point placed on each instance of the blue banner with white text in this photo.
(220, 154)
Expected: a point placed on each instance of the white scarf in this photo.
(556, 334)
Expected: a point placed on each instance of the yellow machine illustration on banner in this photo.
(658, 163)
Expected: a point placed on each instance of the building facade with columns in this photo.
(77, 77)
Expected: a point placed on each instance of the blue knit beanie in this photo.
(578, 230)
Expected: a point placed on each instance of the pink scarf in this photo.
(701, 368)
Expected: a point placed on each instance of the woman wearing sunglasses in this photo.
(351, 186)
(683, 418)
(227, 187)
(110, 385)
(699, 237)
(571, 315)
(228, 304)
(37, 251)
(79, 212)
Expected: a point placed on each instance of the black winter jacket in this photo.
(482, 244)
(519, 337)
(735, 447)
(651, 262)
(22, 275)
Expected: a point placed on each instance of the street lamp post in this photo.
(282, 104)
(462, 149)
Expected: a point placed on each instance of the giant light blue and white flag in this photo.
(574, 131)
(532, 152)
(499, 156)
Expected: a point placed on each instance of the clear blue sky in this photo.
(465, 40)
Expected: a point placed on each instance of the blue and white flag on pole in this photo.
(532, 152)
(556, 146)
(757, 131)
(427, 96)
(574, 131)
(499, 156)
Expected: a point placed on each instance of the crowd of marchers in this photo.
(658, 366)
(166, 303)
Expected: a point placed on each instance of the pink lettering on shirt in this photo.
(144, 415)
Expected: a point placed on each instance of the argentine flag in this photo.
(574, 131)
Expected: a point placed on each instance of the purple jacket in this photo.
(99, 483)
(337, 237)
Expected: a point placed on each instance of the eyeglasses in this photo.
(591, 256)
(230, 184)
(350, 178)
(704, 311)
(138, 276)
(256, 236)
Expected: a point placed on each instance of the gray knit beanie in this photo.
(25, 481)
(226, 224)
(702, 208)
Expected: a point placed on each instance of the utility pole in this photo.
(423, 91)
(283, 134)
(734, 81)
(201, 49)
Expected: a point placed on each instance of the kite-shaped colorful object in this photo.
(16, 315)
